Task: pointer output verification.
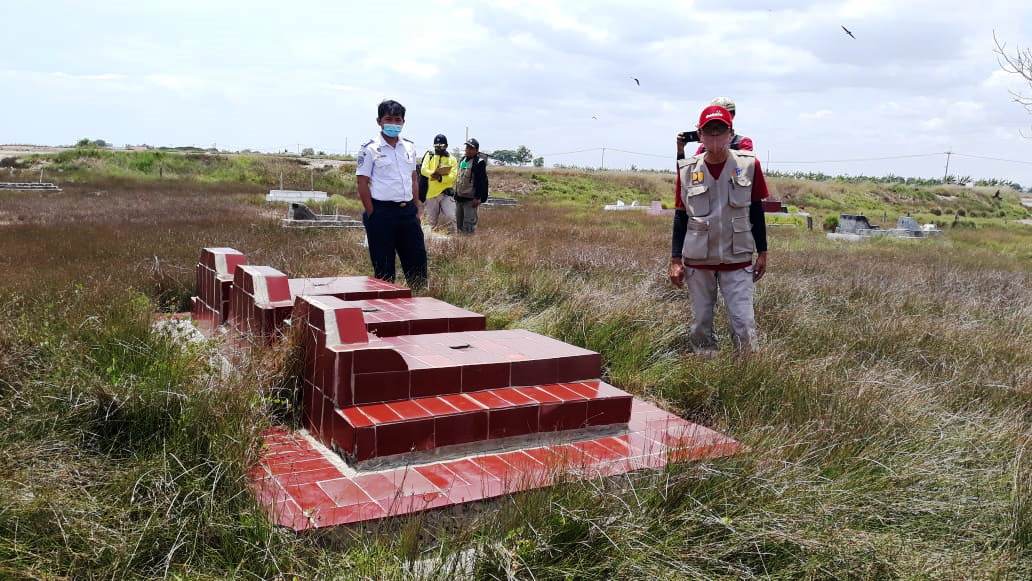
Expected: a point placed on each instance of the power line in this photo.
(640, 153)
(993, 158)
(570, 152)
(775, 162)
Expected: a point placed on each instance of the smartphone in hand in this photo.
(689, 136)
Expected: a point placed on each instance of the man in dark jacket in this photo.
(470, 187)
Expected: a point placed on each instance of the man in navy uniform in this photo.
(388, 186)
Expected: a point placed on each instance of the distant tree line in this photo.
(894, 179)
(519, 156)
(87, 142)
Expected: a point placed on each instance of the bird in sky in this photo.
(848, 32)
(636, 81)
(595, 117)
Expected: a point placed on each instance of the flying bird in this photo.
(848, 32)
(636, 81)
(595, 117)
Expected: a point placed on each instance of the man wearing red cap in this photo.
(718, 226)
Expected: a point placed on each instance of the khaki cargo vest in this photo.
(719, 231)
(464, 180)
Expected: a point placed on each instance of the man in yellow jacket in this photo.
(440, 169)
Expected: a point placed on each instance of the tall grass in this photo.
(887, 418)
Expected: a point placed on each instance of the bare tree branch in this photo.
(1018, 62)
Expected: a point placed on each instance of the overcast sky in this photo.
(919, 78)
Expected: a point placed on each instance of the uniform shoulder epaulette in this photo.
(695, 158)
(405, 139)
(744, 152)
(368, 143)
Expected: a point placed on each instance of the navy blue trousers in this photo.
(393, 229)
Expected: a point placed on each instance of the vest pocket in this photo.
(741, 192)
(696, 240)
(696, 202)
(741, 236)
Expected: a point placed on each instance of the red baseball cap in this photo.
(714, 113)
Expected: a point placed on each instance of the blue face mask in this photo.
(391, 129)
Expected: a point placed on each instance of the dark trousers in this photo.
(395, 229)
(465, 215)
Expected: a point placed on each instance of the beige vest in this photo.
(719, 231)
(464, 180)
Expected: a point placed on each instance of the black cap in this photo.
(440, 139)
(473, 143)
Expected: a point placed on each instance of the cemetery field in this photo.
(888, 418)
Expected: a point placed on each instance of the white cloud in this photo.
(933, 124)
(814, 115)
(181, 84)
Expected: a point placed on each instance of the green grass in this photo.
(882, 203)
(94, 165)
(887, 419)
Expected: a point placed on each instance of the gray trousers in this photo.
(465, 215)
(737, 288)
(439, 212)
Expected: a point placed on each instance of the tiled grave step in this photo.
(406, 316)
(262, 297)
(353, 368)
(301, 488)
(214, 279)
(348, 288)
(397, 368)
(380, 430)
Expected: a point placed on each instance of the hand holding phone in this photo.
(688, 136)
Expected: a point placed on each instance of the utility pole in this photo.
(603, 158)
(947, 172)
(345, 146)
(467, 133)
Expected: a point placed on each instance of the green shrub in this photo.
(831, 223)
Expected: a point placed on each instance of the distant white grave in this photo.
(620, 205)
(301, 196)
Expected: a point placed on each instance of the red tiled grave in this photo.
(353, 368)
(214, 279)
(385, 374)
(260, 300)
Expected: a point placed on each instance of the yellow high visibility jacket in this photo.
(430, 165)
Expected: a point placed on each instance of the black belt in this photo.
(389, 203)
